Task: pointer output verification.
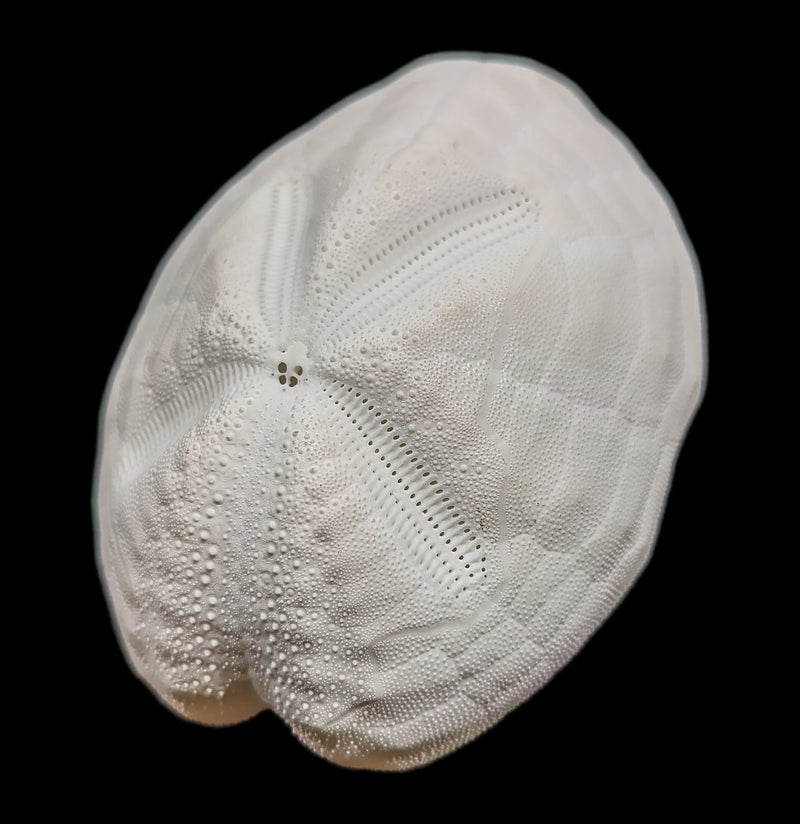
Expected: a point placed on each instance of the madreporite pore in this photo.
(392, 432)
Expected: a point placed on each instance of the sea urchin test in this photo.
(393, 430)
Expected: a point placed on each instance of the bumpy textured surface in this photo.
(392, 433)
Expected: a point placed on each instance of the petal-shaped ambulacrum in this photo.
(393, 430)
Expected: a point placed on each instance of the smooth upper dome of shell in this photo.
(393, 430)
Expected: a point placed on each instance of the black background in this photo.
(157, 123)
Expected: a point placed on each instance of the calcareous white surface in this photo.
(393, 430)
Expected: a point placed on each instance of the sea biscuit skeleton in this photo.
(393, 430)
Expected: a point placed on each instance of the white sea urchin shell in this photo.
(392, 433)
